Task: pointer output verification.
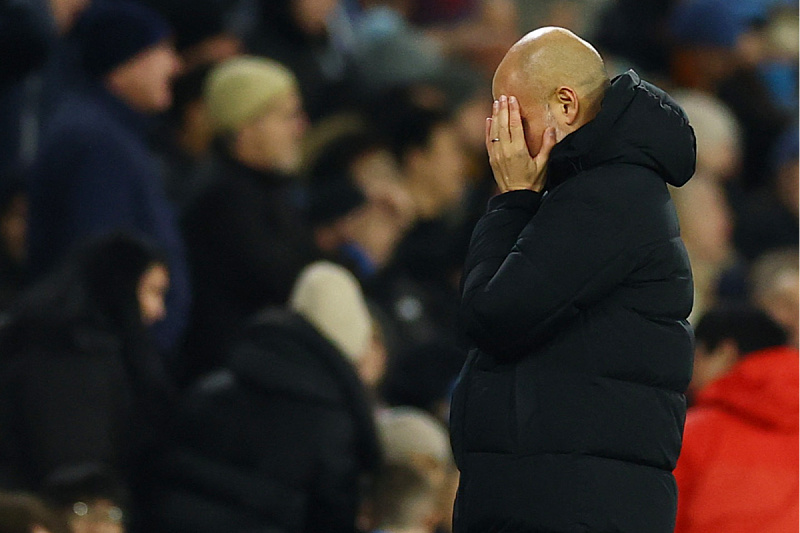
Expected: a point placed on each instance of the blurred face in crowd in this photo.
(706, 220)
(781, 301)
(144, 82)
(66, 12)
(440, 165)
(312, 15)
(710, 364)
(151, 292)
(274, 140)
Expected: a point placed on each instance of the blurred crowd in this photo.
(231, 235)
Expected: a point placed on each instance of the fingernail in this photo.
(512, 99)
(495, 105)
(502, 98)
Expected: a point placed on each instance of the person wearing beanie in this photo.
(415, 438)
(246, 230)
(95, 171)
(283, 436)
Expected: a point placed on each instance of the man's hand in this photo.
(512, 164)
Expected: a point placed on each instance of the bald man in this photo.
(569, 411)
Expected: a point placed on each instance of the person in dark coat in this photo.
(80, 379)
(283, 436)
(245, 229)
(95, 171)
(569, 412)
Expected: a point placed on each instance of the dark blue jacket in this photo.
(569, 413)
(94, 173)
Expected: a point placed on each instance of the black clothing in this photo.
(569, 413)
(80, 378)
(278, 440)
(65, 401)
(247, 240)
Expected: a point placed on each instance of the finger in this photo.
(495, 122)
(502, 119)
(548, 142)
(515, 120)
(488, 134)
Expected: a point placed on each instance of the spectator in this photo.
(26, 513)
(246, 231)
(81, 381)
(706, 223)
(95, 171)
(738, 467)
(414, 438)
(775, 288)
(402, 501)
(283, 436)
(718, 135)
(419, 287)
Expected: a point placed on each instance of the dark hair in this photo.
(414, 129)
(339, 154)
(95, 285)
(750, 328)
(187, 88)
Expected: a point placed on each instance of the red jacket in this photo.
(738, 469)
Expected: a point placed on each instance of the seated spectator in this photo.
(774, 283)
(414, 438)
(81, 380)
(22, 512)
(90, 496)
(402, 500)
(246, 231)
(95, 171)
(419, 286)
(282, 437)
(738, 467)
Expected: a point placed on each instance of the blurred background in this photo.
(231, 235)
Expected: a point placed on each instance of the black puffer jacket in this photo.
(569, 414)
(277, 441)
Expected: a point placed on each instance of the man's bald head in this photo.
(558, 78)
(548, 58)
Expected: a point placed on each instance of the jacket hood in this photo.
(639, 124)
(762, 387)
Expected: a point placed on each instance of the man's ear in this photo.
(568, 104)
